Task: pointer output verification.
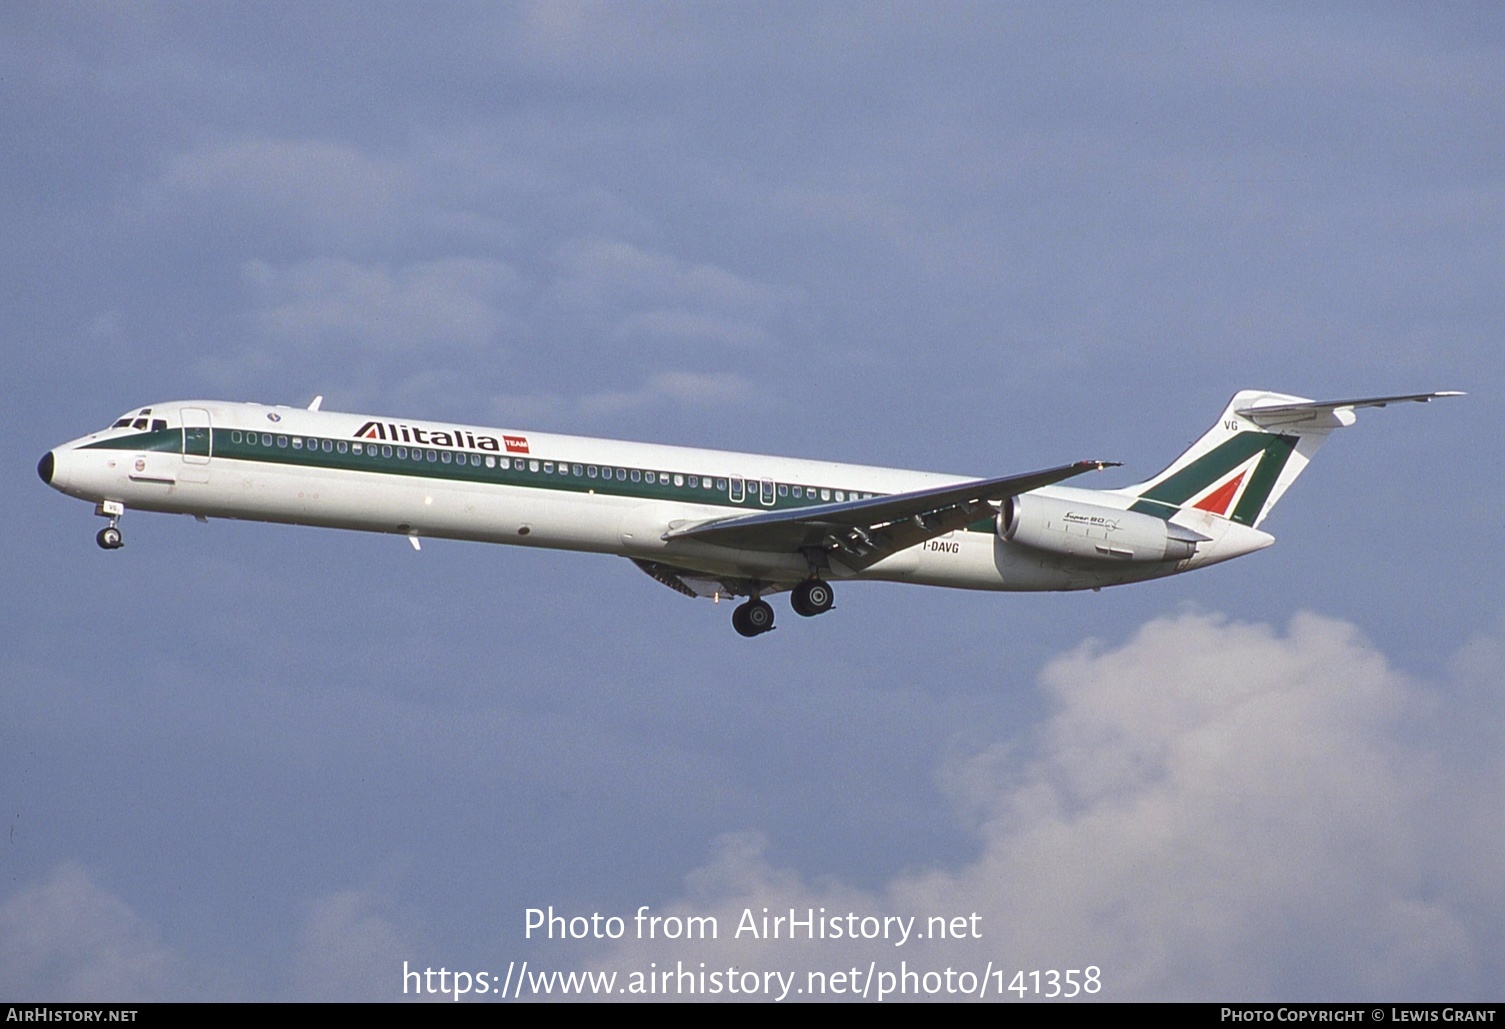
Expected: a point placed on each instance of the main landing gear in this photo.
(753, 618)
(810, 598)
(109, 537)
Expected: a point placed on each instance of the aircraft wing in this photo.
(863, 532)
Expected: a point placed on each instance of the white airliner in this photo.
(707, 523)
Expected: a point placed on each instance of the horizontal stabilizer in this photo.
(1326, 413)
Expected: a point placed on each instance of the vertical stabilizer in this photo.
(1249, 458)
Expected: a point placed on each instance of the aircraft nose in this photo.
(45, 467)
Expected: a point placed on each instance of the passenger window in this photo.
(825, 494)
(432, 456)
(637, 475)
(783, 489)
(679, 480)
(266, 439)
(648, 477)
(282, 441)
(577, 470)
(444, 456)
(297, 442)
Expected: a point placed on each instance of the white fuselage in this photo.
(425, 479)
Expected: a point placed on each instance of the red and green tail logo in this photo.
(1237, 474)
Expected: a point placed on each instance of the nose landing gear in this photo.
(109, 537)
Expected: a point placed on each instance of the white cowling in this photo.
(1092, 532)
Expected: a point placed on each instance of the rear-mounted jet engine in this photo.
(1089, 531)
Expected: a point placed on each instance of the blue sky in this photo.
(243, 761)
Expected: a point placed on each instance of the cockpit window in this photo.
(139, 420)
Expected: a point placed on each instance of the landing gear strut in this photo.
(812, 597)
(109, 537)
(753, 618)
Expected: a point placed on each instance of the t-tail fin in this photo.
(1249, 458)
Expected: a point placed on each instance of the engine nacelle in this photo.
(1092, 532)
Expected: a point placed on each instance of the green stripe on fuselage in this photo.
(449, 464)
(165, 441)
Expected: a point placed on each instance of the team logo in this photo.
(516, 444)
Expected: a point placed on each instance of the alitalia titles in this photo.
(453, 439)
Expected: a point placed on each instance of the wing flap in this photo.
(700, 584)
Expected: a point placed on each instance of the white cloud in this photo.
(351, 949)
(69, 939)
(646, 297)
(454, 301)
(311, 183)
(690, 328)
(1214, 811)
